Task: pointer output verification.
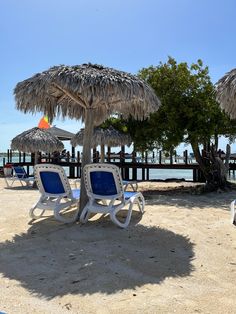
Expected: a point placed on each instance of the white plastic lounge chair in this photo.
(56, 193)
(103, 182)
(132, 184)
(19, 174)
(233, 212)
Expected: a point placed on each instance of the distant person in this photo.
(220, 152)
(56, 157)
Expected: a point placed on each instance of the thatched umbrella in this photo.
(102, 137)
(34, 140)
(226, 93)
(90, 92)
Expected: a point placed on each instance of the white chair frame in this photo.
(111, 204)
(232, 212)
(29, 181)
(58, 203)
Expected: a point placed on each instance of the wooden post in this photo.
(186, 157)
(122, 154)
(171, 157)
(68, 156)
(146, 157)
(143, 174)
(78, 156)
(194, 175)
(94, 154)
(39, 157)
(160, 156)
(72, 152)
(108, 154)
(134, 169)
(33, 158)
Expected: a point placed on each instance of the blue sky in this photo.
(124, 34)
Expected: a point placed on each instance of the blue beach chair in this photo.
(103, 182)
(19, 174)
(56, 194)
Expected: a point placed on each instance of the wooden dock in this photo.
(132, 168)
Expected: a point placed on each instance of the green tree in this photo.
(189, 113)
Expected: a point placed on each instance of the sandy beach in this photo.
(180, 257)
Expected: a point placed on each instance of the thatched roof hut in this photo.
(102, 137)
(88, 91)
(110, 137)
(35, 140)
(226, 93)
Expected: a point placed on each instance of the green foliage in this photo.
(118, 123)
(189, 112)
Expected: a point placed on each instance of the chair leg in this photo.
(84, 217)
(127, 220)
(63, 219)
(232, 212)
(141, 203)
(32, 215)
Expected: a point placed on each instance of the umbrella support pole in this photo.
(102, 152)
(86, 158)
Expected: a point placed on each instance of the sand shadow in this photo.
(53, 260)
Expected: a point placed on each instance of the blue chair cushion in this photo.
(103, 183)
(52, 182)
(20, 172)
(76, 193)
(128, 195)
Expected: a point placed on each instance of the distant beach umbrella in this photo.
(91, 92)
(102, 137)
(35, 140)
(43, 123)
(226, 93)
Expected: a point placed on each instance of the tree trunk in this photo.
(213, 168)
(102, 153)
(86, 158)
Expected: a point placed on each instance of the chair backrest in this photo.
(52, 180)
(20, 172)
(103, 180)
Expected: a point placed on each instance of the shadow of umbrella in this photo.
(102, 137)
(89, 92)
(95, 258)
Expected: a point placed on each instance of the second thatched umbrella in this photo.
(35, 140)
(102, 137)
(88, 91)
(226, 93)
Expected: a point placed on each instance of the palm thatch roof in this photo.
(61, 134)
(226, 93)
(70, 90)
(110, 137)
(88, 91)
(36, 139)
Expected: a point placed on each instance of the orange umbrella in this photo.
(43, 123)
